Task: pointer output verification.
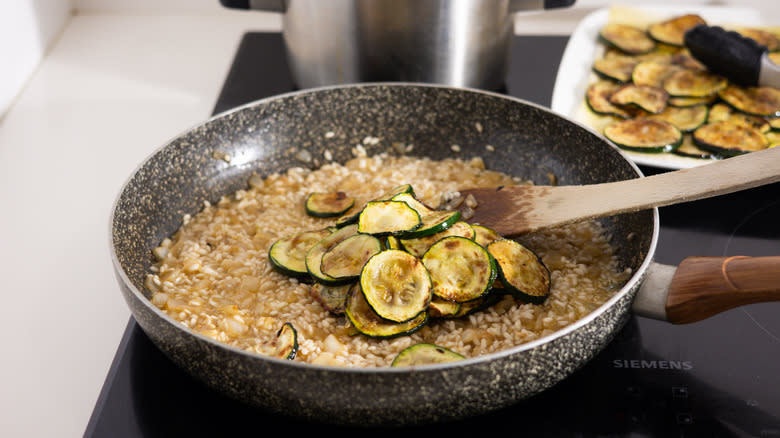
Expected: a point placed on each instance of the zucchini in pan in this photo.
(285, 345)
(396, 285)
(345, 260)
(315, 254)
(521, 271)
(367, 322)
(328, 204)
(461, 270)
(288, 254)
(388, 217)
(425, 354)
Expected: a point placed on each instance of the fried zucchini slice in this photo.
(758, 101)
(284, 346)
(345, 260)
(328, 204)
(425, 354)
(616, 68)
(441, 308)
(694, 83)
(314, 255)
(396, 285)
(332, 298)
(368, 323)
(689, 149)
(686, 119)
(521, 271)
(288, 254)
(729, 139)
(644, 135)
(388, 217)
(652, 73)
(721, 112)
(461, 270)
(417, 246)
(766, 39)
(648, 98)
(351, 216)
(627, 39)
(683, 102)
(672, 31)
(597, 98)
(484, 235)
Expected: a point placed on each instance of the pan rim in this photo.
(630, 285)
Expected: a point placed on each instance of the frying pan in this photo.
(268, 136)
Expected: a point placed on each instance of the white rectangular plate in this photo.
(575, 74)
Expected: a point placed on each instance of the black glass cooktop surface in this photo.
(716, 378)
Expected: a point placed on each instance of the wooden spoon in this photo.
(513, 210)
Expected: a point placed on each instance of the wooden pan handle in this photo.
(704, 286)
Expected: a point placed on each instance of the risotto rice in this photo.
(214, 277)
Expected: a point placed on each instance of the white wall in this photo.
(27, 30)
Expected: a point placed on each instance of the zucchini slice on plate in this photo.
(652, 73)
(758, 101)
(314, 255)
(682, 102)
(765, 38)
(368, 323)
(721, 112)
(694, 83)
(388, 217)
(345, 260)
(617, 68)
(417, 246)
(288, 254)
(729, 139)
(522, 272)
(672, 31)
(627, 39)
(649, 98)
(689, 149)
(425, 354)
(644, 135)
(686, 119)
(396, 285)
(285, 345)
(328, 204)
(597, 98)
(332, 298)
(461, 270)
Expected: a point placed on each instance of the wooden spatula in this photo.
(513, 210)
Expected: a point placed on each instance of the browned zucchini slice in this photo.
(686, 119)
(328, 204)
(314, 255)
(332, 298)
(684, 59)
(396, 285)
(484, 235)
(774, 123)
(644, 135)
(288, 254)
(284, 346)
(388, 217)
(367, 322)
(617, 68)
(627, 39)
(759, 101)
(346, 258)
(729, 138)
(461, 269)
(417, 246)
(652, 73)
(521, 271)
(766, 39)
(597, 98)
(694, 83)
(672, 31)
(650, 99)
(721, 112)
(689, 149)
(425, 354)
(441, 308)
(683, 102)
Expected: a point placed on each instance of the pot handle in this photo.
(704, 286)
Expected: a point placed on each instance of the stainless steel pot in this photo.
(453, 42)
(530, 141)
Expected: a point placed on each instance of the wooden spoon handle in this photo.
(712, 179)
(704, 286)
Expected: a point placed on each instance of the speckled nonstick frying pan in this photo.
(529, 141)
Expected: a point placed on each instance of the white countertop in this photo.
(111, 90)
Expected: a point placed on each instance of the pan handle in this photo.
(704, 286)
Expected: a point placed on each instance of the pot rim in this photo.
(630, 286)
